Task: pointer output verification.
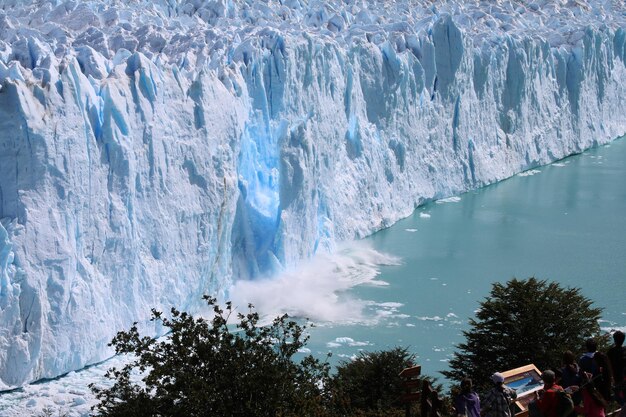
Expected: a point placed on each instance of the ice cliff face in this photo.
(155, 151)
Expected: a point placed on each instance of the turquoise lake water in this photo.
(565, 222)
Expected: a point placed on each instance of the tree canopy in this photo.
(208, 367)
(522, 322)
(371, 382)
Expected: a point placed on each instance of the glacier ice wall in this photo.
(144, 162)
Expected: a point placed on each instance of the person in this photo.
(617, 357)
(570, 373)
(604, 377)
(547, 400)
(570, 376)
(593, 402)
(497, 402)
(467, 403)
(586, 362)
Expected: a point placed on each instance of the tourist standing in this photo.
(586, 361)
(497, 403)
(570, 376)
(604, 378)
(617, 357)
(570, 373)
(467, 403)
(547, 400)
(593, 402)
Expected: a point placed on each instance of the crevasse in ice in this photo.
(153, 151)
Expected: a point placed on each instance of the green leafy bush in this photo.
(370, 384)
(208, 368)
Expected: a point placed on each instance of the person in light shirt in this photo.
(498, 401)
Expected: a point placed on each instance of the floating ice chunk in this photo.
(424, 215)
(347, 341)
(411, 230)
(351, 357)
(357, 343)
(391, 305)
(427, 318)
(529, 173)
(454, 199)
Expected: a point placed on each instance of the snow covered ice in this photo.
(154, 151)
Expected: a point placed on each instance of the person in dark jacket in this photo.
(571, 376)
(570, 373)
(617, 357)
(467, 403)
(604, 378)
(586, 361)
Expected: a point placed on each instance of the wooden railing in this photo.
(416, 389)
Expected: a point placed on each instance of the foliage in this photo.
(522, 322)
(369, 384)
(206, 367)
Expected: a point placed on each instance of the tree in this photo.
(522, 322)
(370, 383)
(206, 367)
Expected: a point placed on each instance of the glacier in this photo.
(155, 151)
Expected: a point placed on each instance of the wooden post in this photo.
(411, 387)
(431, 403)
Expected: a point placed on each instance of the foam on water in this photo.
(612, 329)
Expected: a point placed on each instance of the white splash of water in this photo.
(318, 289)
